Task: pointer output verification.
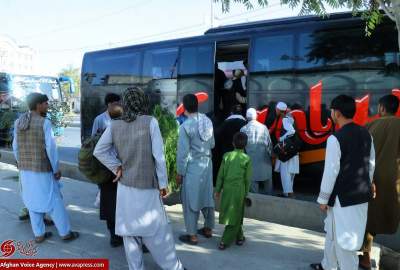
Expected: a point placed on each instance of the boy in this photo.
(234, 178)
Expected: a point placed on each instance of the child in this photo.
(233, 180)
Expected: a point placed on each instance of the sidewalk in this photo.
(269, 246)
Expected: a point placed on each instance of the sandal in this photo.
(71, 236)
(207, 233)
(222, 246)
(187, 240)
(316, 266)
(40, 239)
(48, 222)
(240, 242)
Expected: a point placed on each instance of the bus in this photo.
(13, 90)
(304, 61)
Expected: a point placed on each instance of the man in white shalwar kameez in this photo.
(36, 154)
(346, 188)
(290, 168)
(132, 148)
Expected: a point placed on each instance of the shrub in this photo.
(169, 132)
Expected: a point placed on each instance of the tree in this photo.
(369, 9)
(75, 75)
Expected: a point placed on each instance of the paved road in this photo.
(269, 246)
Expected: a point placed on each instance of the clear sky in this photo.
(62, 30)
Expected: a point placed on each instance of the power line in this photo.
(137, 39)
(88, 21)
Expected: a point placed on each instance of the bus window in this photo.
(273, 53)
(159, 76)
(272, 70)
(196, 69)
(112, 68)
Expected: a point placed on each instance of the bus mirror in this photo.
(70, 81)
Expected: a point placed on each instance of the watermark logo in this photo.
(9, 247)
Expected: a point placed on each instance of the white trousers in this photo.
(287, 178)
(58, 214)
(334, 255)
(161, 246)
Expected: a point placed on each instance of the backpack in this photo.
(89, 165)
(289, 148)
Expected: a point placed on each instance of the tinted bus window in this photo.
(273, 53)
(196, 60)
(160, 64)
(196, 70)
(110, 68)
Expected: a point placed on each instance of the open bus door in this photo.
(231, 77)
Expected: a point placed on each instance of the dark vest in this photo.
(353, 184)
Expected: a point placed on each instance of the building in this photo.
(15, 58)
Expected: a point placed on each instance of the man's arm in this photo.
(15, 143)
(95, 126)
(105, 154)
(331, 170)
(51, 146)
(157, 147)
(288, 126)
(372, 161)
(183, 151)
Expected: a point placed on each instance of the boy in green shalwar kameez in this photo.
(233, 180)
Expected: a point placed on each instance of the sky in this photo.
(61, 31)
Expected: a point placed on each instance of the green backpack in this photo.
(89, 165)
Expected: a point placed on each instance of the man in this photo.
(290, 168)
(194, 164)
(36, 154)
(102, 121)
(346, 187)
(107, 196)
(138, 162)
(384, 210)
(259, 147)
(224, 136)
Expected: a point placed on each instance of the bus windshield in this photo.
(24, 85)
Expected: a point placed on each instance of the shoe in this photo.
(116, 241)
(206, 232)
(240, 242)
(48, 222)
(316, 266)
(145, 249)
(187, 239)
(221, 246)
(23, 214)
(40, 239)
(70, 236)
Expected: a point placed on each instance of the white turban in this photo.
(251, 114)
(281, 106)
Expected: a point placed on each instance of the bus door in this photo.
(195, 75)
(231, 77)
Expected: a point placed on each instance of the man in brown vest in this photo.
(36, 154)
(384, 210)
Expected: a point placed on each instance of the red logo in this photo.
(7, 248)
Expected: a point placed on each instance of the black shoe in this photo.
(145, 249)
(116, 241)
(71, 236)
(48, 222)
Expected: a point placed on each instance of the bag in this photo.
(89, 165)
(290, 147)
(287, 149)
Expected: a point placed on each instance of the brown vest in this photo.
(31, 147)
(132, 142)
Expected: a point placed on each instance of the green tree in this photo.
(75, 75)
(370, 9)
